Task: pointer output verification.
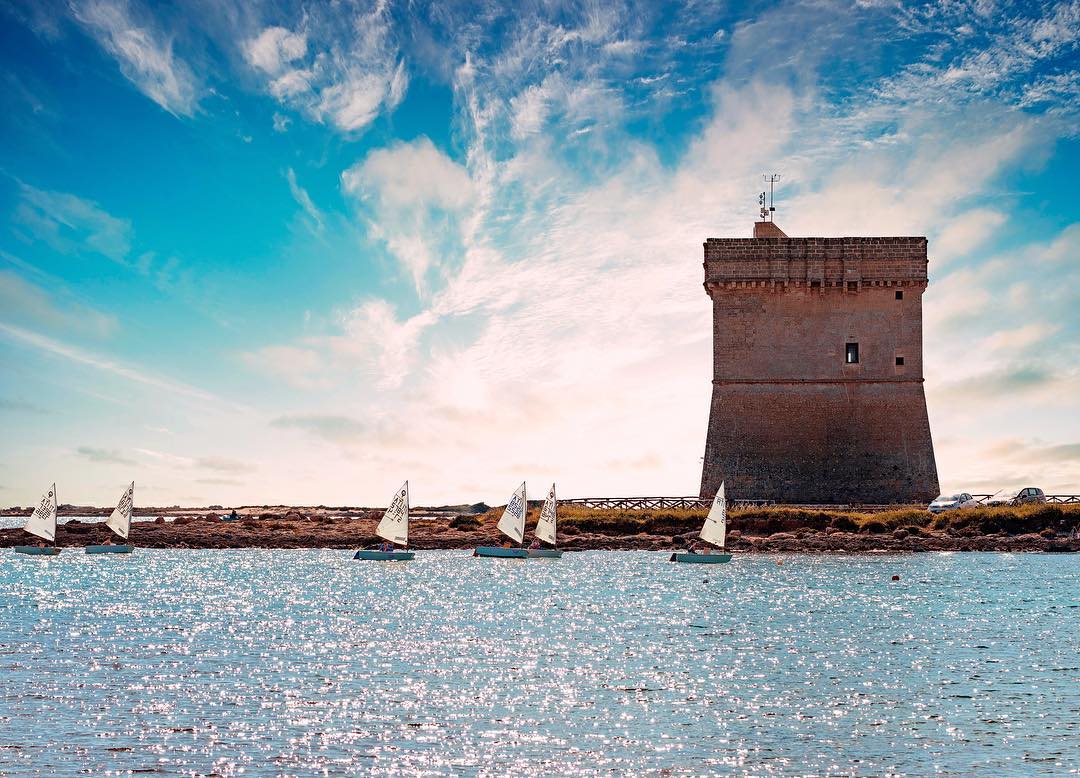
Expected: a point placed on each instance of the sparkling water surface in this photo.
(294, 662)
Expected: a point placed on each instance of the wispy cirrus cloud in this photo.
(103, 456)
(28, 338)
(219, 481)
(1021, 55)
(316, 220)
(218, 464)
(329, 427)
(70, 224)
(24, 302)
(143, 51)
(77, 226)
(21, 406)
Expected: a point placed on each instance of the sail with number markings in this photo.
(545, 527)
(512, 523)
(42, 521)
(715, 529)
(120, 520)
(395, 522)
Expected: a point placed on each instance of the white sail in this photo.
(395, 522)
(545, 527)
(715, 529)
(512, 523)
(120, 520)
(42, 521)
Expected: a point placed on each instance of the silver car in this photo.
(1029, 494)
(951, 502)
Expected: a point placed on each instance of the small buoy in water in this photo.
(779, 562)
(896, 578)
(704, 580)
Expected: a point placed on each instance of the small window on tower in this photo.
(853, 286)
(899, 294)
(899, 361)
(852, 354)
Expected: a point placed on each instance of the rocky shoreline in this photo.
(776, 530)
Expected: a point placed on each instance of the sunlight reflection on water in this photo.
(286, 662)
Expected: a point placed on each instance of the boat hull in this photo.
(544, 553)
(498, 552)
(385, 556)
(701, 559)
(37, 550)
(115, 548)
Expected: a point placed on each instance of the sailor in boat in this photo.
(713, 533)
(393, 528)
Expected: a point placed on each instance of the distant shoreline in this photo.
(1032, 528)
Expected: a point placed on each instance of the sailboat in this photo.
(714, 531)
(512, 524)
(42, 522)
(545, 530)
(394, 527)
(120, 523)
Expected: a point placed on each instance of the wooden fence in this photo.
(654, 503)
(696, 503)
(1060, 499)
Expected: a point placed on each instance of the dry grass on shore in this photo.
(1019, 520)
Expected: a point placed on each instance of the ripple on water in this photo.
(272, 662)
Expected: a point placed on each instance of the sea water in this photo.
(261, 662)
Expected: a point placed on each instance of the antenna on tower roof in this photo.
(767, 212)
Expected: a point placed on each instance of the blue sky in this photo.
(273, 252)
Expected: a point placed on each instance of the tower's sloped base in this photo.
(831, 443)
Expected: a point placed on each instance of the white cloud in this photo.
(274, 48)
(354, 101)
(966, 234)
(342, 67)
(145, 54)
(411, 194)
(409, 174)
(298, 365)
(372, 347)
(1020, 338)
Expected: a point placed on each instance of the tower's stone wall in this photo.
(792, 419)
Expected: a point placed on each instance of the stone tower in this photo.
(817, 370)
